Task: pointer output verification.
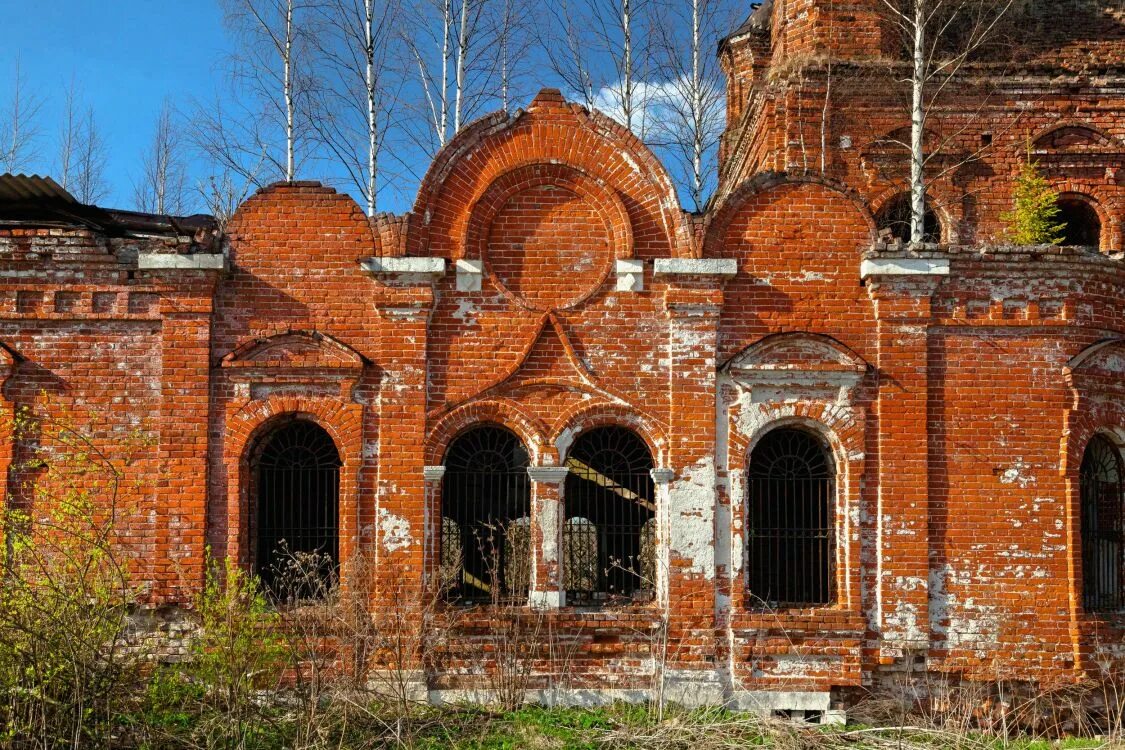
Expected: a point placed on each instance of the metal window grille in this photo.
(790, 526)
(298, 499)
(486, 510)
(609, 539)
(1103, 529)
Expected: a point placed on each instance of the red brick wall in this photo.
(954, 398)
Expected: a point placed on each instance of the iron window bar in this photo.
(297, 509)
(790, 528)
(1103, 530)
(609, 536)
(486, 518)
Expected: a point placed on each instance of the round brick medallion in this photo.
(549, 247)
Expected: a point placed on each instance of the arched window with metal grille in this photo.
(610, 500)
(1103, 530)
(790, 525)
(297, 501)
(893, 220)
(486, 510)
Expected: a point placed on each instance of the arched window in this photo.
(1081, 225)
(790, 529)
(609, 498)
(297, 504)
(894, 218)
(485, 507)
(1103, 545)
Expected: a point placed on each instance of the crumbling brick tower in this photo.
(758, 457)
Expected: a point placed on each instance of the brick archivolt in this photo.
(248, 421)
(549, 132)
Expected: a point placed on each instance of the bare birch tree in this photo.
(69, 137)
(597, 49)
(941, 36)
(261, 131)
(568, 49)
(223, 192)
(690, 97)
(444, 42)
(357, 89)
(21, 134)
(162, 187)
(512, 42)
(90, 156)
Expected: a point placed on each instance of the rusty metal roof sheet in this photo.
(22, 187)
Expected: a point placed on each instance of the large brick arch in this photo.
(798, 241)
(584, 417)
(550, 132)
(1094, 377)
(531, 431)
(248, 424)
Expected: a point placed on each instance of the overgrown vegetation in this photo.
(312, 664)
(1033, 219)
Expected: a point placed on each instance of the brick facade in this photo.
(547, 281)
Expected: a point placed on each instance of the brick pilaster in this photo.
(902, 296)
(181, 489)
(548, 589)
(693, 312)
(398, 511)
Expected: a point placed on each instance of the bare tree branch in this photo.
(162, 187)
(20, 137)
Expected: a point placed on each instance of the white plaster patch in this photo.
(395, 531)
(467, 312)
(1018, 473)
(692, 517)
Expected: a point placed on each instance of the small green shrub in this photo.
(1033, 219)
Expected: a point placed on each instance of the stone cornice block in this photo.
(179, 262)
(548, 474)
(695, 267)
(405, 268)
(904, 267)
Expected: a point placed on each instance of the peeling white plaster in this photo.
(692, 517)
(1018, 473)
(467, 312)
(395, 531)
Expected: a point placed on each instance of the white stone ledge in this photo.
(548, 474)
(469, 273)
(547, 599)
(695, 267)
(177, 262)
(404, 266)
(904, 267)
(630, 275)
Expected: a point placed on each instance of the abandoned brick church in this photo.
(802, 453)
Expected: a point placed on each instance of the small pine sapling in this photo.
(1033, 219)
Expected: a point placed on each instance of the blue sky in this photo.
(125, 55)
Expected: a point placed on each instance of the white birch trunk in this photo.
(287, 62)
(372, 113)
(917, 128)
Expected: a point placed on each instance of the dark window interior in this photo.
(1081, 225)
(609, 539)
(790, 528)
(486, 510)
(894, 218)
(1103, 540)
(298, 497)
